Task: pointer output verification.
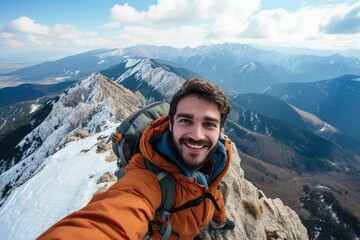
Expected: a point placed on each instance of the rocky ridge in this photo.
(256, 216)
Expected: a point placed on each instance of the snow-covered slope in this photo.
(158, 77)
(66, 182)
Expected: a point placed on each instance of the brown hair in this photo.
(203, 90)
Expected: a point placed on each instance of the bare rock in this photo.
(256, 216)
(107, 177)
(102, 146)
(104, 188)
(107, 180)
(111, 157)
(73, 136)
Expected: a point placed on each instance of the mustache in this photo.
(194, 142)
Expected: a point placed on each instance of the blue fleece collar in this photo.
(164, 145)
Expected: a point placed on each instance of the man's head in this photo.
(197, 113)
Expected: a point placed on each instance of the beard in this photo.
(190, 160)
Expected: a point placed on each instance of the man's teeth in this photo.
(194, 146)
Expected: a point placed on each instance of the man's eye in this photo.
(187, 121)
(210, 125)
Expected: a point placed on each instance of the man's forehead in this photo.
(193, 107)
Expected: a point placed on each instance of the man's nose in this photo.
(197, 132)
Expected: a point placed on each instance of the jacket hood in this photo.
(156, 143)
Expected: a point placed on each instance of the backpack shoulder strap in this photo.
(167, 185)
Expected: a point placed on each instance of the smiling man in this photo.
(187, 144)
(195, 130)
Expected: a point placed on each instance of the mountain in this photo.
(19, 122)
(153, 80)
(285, 145)
(212, 61)
(69, 68)
(26, 92)
(276, 108)
(249, 77)
(72, 161)
(71, 112)
(23, 108)
(335, 101)
(218, 63)
(280, 159)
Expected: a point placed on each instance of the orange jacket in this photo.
(125, 210)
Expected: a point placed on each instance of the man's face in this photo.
(195, 130)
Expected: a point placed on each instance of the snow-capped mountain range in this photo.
(217, 63)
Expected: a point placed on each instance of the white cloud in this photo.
(181, 36)
(111, 25)
(91, 34)
(66, 31)
(26, 25)
(12, 43)
(185, 11)
(227, 20)
(212, 19)
(36, 40)
(171, 11)
(181, 23)
(301, 28)
(126, 14)
(346, 21)
(6, 35)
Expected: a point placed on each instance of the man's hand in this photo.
(226, 225)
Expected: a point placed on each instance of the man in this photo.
(185, 143)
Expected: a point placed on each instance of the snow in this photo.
(3, 124)
(321, 186)
(34, 108)
(60, 79)
(43, 200)
(131, 62)
(165, 82)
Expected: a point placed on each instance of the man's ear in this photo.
(170, 126)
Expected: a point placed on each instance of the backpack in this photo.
(125, 143)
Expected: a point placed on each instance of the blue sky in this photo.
(81, 25)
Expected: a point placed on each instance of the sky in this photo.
(83, 25)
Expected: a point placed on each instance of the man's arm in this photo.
(122, 212)
(219, 216)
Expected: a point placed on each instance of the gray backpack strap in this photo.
(167, 185)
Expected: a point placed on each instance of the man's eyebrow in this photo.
(210, 119)
(191, 116)
(184, 115)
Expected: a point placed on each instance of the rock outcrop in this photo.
(121, 101)
(256, 216)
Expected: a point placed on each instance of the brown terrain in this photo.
(287, 185)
